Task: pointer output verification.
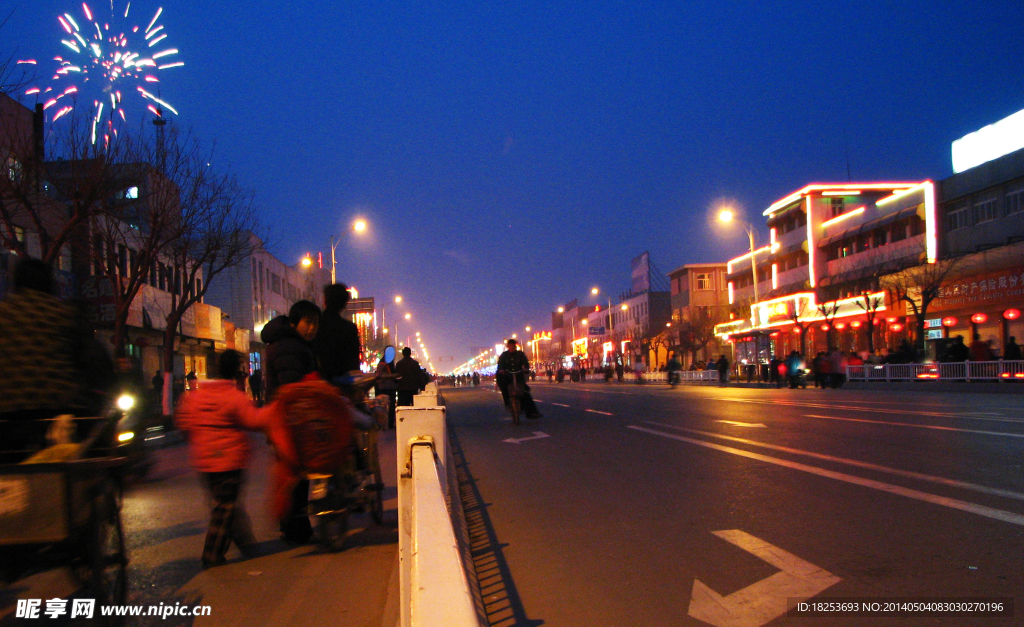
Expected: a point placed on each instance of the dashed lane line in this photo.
(560, 405)
(853, 462)
(603, 413)
(964, 506)
(910, 424)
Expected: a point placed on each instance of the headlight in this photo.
(125, 402)
(124, 437)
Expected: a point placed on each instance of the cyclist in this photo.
(674, 366)
(514, 359)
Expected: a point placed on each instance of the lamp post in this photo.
(358, 227)
(727, 216)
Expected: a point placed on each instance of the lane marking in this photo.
(910, 424)
(973, 508)
(743, 424)
(765, 600)
(910, 474)
(872, 410)
(603, 413)
(537, 435)
(560, 405)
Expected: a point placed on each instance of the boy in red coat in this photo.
(214, 419)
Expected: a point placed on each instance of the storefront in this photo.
(988, 304)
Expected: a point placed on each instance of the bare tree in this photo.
(13, 75)
(828, 311)
(870, 304)
(918, 285)
(798, 314)
(215, 232)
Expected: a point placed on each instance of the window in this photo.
(956, 217)
(131, 192)
(1015, 199)
(838, 205)
(704, 281)
(986, 207)
(275, 283)
(13, 169)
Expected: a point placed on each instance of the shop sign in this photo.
(98, 294)
(994, 287)
(933, 323)
(596, 330)
(579, 348)
(934, 334)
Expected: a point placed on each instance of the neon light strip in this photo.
(775, 276)
(930, 237)
(859, 187)
(843, 193)
(810, 242)
(898, 195)
(840, 218)
(728, 266)
(732, 298)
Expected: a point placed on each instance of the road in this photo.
(638, 505)
(165, 519)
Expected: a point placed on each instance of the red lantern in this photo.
(824, 327)
(892, 319)
(949, 322)
(855, 324)
(796, 330)
(840, 326)
(979, 318)
(1011, 314)
(896, 328)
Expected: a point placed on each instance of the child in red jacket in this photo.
(215, 419)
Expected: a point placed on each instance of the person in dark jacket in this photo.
(1012, 352)
(511, 360)
(289, 356)
(336, 344)
(289, 359)
(410, 377)
(722, 365)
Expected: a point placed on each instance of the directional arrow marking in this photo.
(743, 424)
(765, 600)
(537, 435)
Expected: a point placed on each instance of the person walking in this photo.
(386, 384)
(723, 370)
(214, 419)
(980, 350)
(410, 377)
(256, 386)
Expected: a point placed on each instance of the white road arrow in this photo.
(537, 435)
(743, 424)
(765, 600)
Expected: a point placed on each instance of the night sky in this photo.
(508, 158)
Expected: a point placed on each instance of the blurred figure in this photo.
(214, 419)
(1012, 350)
(386, 382)
(409, 382)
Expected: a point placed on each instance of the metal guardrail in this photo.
(685, 376)
(956, 371)
(435, 587)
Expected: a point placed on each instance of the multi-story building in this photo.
(569, 332)
(828, 245)
(981, 210)
(627, 330)
(700, 297)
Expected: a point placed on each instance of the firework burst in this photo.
(107, 61)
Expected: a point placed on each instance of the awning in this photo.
(869, 226)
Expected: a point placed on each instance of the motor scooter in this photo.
(357, 486)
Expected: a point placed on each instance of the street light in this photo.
(727, 215)
(358, 227)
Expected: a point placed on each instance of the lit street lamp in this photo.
(358, 227)
(727, 216)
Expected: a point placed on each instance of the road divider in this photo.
(437, 587)
(973, 508)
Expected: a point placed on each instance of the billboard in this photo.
(641, 272)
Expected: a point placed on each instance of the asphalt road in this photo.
(643, 506)
(165, 518)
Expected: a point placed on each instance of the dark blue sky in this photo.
(510, 157)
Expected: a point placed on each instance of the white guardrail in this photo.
(435, 587)
(685, 376)
(957, 371)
